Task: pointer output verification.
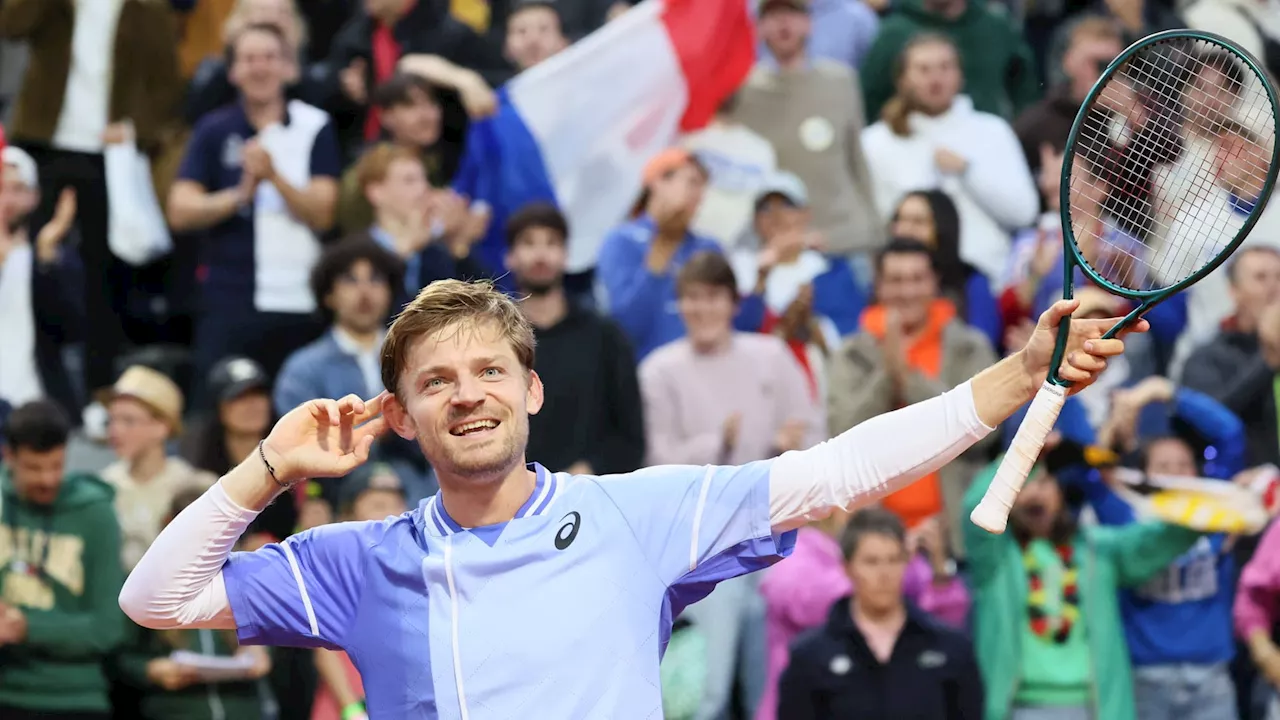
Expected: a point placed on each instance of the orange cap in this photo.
(666, 161)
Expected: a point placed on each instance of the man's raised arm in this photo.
(890, 451)
(179, 581)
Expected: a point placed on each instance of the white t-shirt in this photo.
(19, 376)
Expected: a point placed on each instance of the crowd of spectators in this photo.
(868, 221)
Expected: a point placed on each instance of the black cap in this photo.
(235, 376)
(375, 476)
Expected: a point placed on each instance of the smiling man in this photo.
(515, 591)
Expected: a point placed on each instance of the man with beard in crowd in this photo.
(1068, 660)
(590, 423)
(354, 283)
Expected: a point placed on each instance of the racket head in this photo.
(1162, 90)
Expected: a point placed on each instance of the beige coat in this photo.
(859, 389)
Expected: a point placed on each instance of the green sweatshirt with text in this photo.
(60, 565)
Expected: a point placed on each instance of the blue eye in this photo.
(491, 372)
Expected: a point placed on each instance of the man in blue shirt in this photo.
(514, 591)
(259, 181)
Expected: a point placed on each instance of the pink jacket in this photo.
(1258, 594)
(799, 591)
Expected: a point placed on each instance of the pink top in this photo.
(688, 396)
(1259, 589)
(799, 591)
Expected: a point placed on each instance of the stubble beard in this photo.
(487, 464)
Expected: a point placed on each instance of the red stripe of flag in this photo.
(715, 43)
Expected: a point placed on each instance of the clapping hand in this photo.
(790, 436)
(893, 349)
(257, 161)
(324, 438)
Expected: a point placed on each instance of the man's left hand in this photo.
(1086, 353)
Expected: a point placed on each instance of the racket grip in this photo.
(992, 514)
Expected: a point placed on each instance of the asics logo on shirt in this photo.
(568, 531)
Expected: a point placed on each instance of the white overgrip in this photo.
(992, 514)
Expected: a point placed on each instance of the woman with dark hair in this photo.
(242, 417)
(930, 217)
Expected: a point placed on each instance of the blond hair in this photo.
(373, 166)
(454, 303)
(1095, 27)
(899, 107)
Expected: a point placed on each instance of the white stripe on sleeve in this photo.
(302, 588)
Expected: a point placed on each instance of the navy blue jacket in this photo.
(932, 674)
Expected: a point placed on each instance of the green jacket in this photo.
(60, 565)
(233, 700)
(1109, 558)
(999, 69)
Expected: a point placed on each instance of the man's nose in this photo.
(469, 392)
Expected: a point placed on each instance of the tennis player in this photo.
(516, 592)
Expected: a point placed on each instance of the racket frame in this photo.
(992, 513)
(1072, 258)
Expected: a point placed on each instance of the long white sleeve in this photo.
(873, 459)
(178, 582)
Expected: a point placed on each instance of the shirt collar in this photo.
(348, 344)
(434, 520)
(247, 128)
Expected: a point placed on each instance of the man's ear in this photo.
(534, 397)
(398, 417)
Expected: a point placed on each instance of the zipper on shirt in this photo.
(453, 622)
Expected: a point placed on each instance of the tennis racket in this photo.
(1169, 162)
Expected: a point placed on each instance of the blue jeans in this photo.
(1182, 691)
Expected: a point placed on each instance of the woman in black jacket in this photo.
(877, 656)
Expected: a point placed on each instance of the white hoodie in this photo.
(995, 196)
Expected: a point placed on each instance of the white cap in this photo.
(21, 162)
(786, 184)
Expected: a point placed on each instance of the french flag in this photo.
(577, 129)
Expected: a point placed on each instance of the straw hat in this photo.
(151, 388)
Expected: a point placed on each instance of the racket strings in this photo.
(1168, 161)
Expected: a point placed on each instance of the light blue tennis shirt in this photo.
(562, 613)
